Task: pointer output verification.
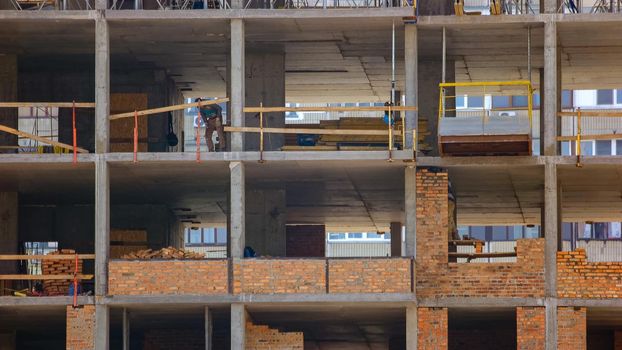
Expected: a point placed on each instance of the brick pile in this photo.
(306, 241)
(168, 277)
(437, 277)
(578, 278)
(571, 328)
(432, 326)
(369, 275)
(530, 328)
(259, 337)
(59, 267)
(174, 339)
(80, 328)
(273, 276)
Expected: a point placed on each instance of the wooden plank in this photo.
(590, 137)
(168, 108)
(312, 131)
(483, 255)
(327, 109)
(44, 277)
(47, 257)
(591, 113)
(47, 104)
(40, 139)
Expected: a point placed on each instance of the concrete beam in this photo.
(102, 327)
(237, 81)
(102, 225)
(237, 210)
(411, 327)
(470, 302)
(410, 65)
(209, 328)
(11, 301)
(238, 327)
(102, 83)
(410, 210)
(552, 87)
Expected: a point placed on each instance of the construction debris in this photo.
(164, 253)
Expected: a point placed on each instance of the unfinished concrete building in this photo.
(435, 123)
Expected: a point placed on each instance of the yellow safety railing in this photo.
(487, 89)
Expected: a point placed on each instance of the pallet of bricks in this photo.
(261, 337)
(59, 267)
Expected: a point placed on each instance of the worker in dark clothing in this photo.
(212, 117)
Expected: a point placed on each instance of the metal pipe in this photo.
(529, 53)
(392, 68)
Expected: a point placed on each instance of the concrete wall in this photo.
(155, 219)
(265, 221)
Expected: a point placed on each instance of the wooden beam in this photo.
(40, 139)
(313, 131)
(592, 113)
(46, 257)
(590, 137)
(168, 109)
(327, 109)
(43, 277)
(47, 104)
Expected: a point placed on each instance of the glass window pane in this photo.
(619, 96)
(221, 235)
(478, 232)
(520, 101)
(336, 236)
(566, 231)
(616, 230)
(499, 233)
(387, 236)
(500, 101)
(587, 148)
(603, 147)
(600, 230)
(536, 100)
(374, 235)
(566, 99)
(460, 101)
(195, 235)
(517, 232)
(587, 231)
(355, 235)
(463, 231)
(604, 97)
(532, 231)
(566, 149)
(476, 101)
(209, 236)
(619, 147)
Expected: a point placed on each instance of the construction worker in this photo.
(212, 117)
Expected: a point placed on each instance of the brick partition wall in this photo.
(578, 278)
(273, 276)
(173, 339)
(436, 277)
(432, 328)
(571, 328)
(259, 337)
(306, 241)
(80, 328)
(168, 277)
(369, 275)
(530, 328)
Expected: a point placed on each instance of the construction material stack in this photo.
(59, 267)
(164, 253)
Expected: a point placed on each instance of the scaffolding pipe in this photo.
(529, 53)
(392, 70)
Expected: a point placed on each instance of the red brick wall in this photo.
(269, 276)
(571, 328)
(578, 278)
(530, 328)
(432, 328)
(306, 241)
(174, 339)
(157, 277)
(437, 277)
(369, 275)
(259, 337)
(80, 328)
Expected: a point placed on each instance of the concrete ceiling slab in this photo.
(56, 37)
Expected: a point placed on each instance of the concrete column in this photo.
(396, 239)
(209, 327)
(237, 210)
(8, 93)
(126, 329)
(551, 232)
(410, 209)
(411, 60)
(102, 84)
(102, 327)
(550, 6)
(411, 327)
(102, 225)
(552, 87)
(9, 240)
(238, 327)
(237, 79)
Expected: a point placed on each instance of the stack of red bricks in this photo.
(578, 278)
(174, 339)
(369, 275)
(530, 328)
(59, 267)
(571, 328)
(80, 328)
(259, 337)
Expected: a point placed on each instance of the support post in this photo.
(102, 225)
(551, 233)
(209, 327)
(410, 210)
(237, 210)
(411, 327)
(102, 327)
(102, 84)
(238, 327)
(411, 62)
(552, 86)
(126, 329)
(237, 77)
(396, 239)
